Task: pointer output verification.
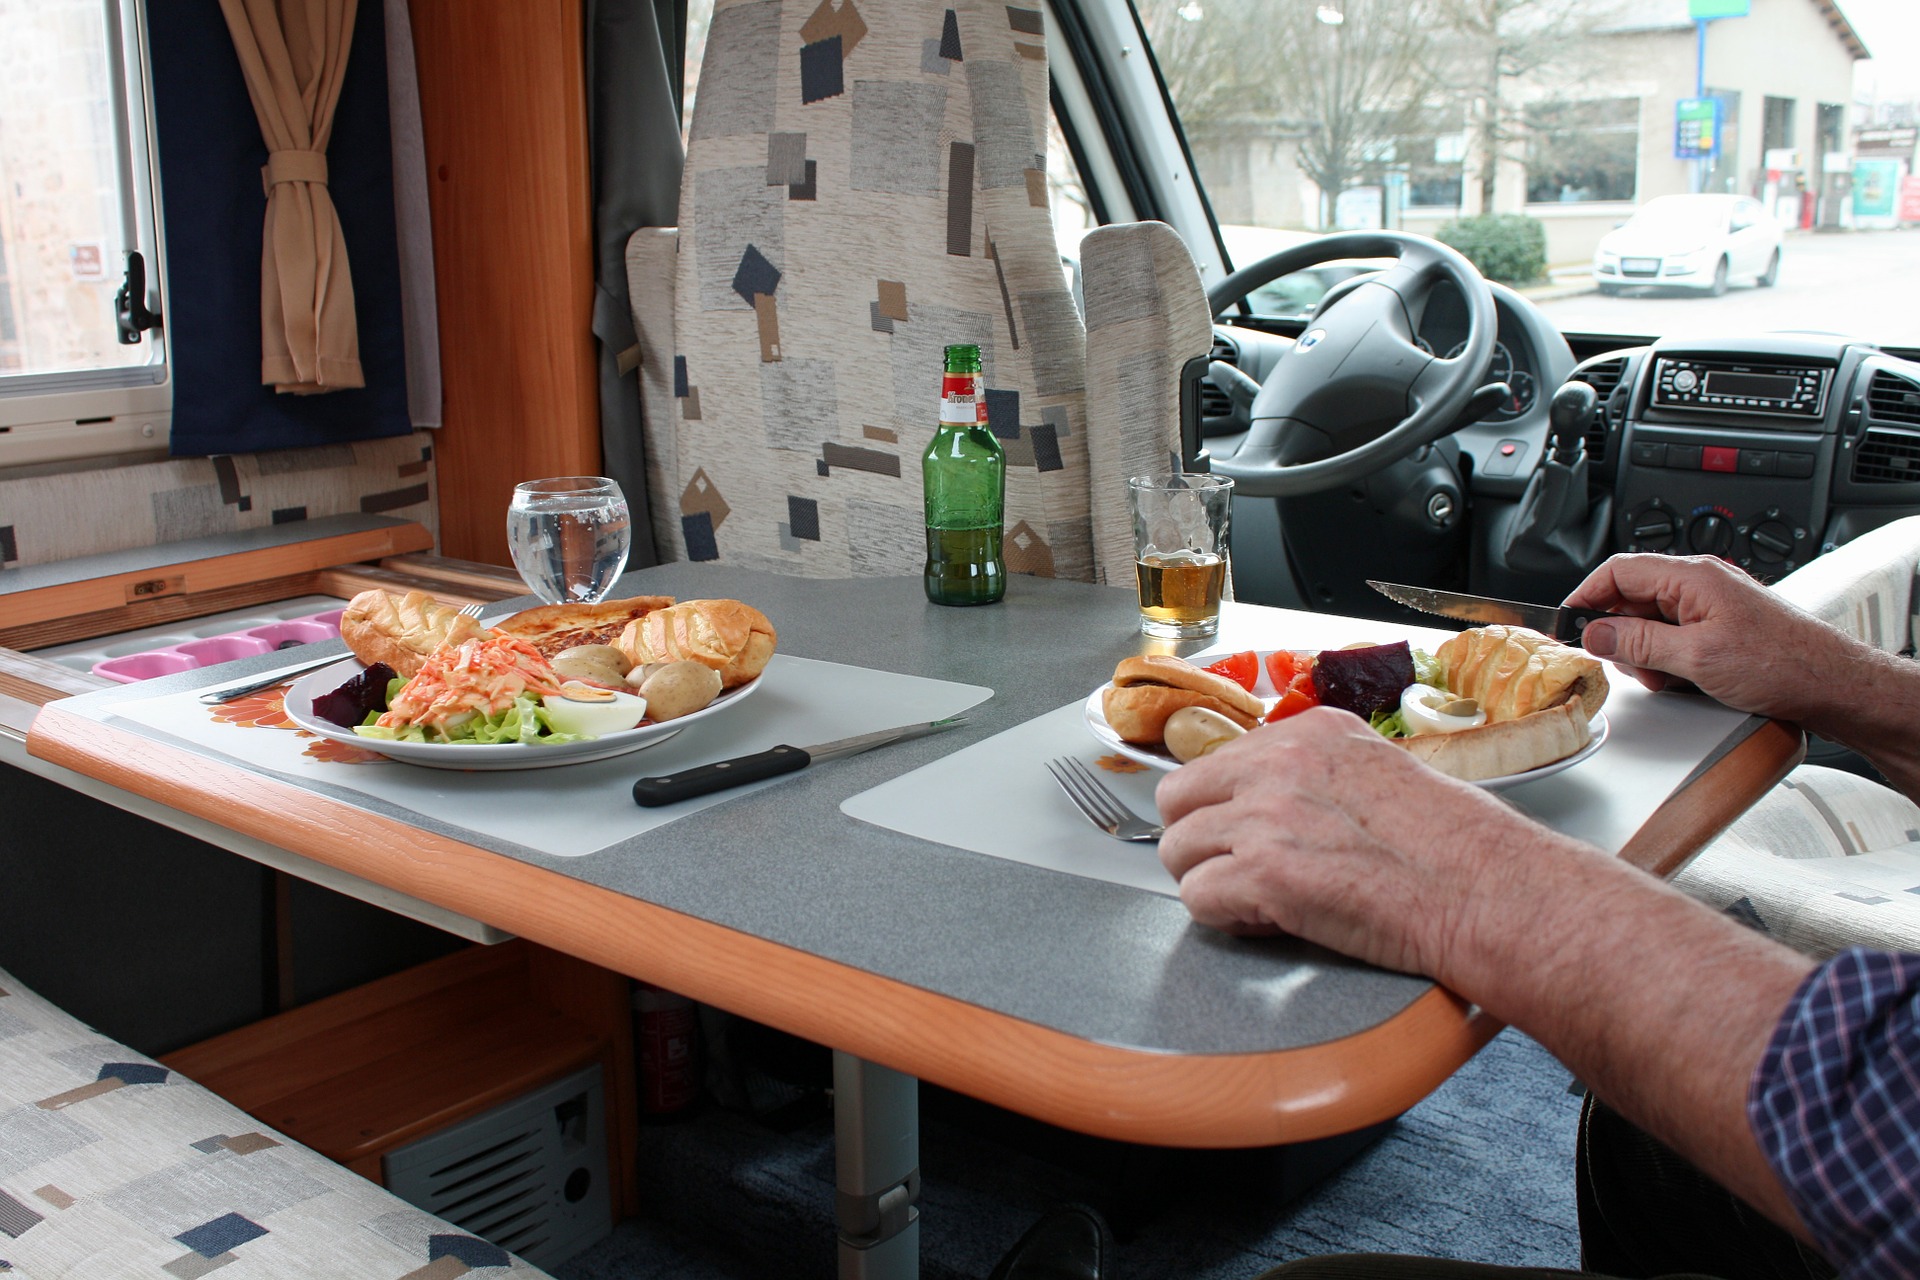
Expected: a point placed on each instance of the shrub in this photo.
(1508, 247)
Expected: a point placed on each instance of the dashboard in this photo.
(1764, 450)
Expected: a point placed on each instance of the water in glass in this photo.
(569, 536)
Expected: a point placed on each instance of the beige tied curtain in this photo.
(294, 56)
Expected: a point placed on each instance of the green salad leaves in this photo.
(524, 722)
(1427, 671)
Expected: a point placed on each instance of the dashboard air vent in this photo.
(1892, 398)
(1887, 456)
(1213, 401)
(1604, 378)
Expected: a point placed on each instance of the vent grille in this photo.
(1887, 456)
(1892, 398)
(1604, 378)
(1214, 402)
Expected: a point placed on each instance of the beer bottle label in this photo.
(960, 399)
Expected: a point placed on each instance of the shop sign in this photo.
(1876, 183)
(1696, 128)
(1898, 141)
(1910, 199)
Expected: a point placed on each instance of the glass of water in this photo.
(569, 536)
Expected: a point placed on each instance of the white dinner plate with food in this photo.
(501, 755)
(1159, 758)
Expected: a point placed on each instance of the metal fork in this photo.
(1102, 807)
(471, 610)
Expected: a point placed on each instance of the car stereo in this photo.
(1798, 391)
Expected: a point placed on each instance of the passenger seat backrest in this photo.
(865, 184)
(1865, 587)
(1147, 317)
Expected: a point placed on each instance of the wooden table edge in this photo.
(1756, 756)
(1110, 1091)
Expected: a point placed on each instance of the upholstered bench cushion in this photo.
(1826, 860)
(113, 1166)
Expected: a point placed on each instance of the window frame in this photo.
(93, 413)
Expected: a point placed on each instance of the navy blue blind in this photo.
(211, 154)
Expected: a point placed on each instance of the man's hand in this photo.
(1709, 624)
(1320, 827)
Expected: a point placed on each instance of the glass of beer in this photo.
(1180, 527)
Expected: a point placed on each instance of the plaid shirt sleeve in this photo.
(1835, 1106)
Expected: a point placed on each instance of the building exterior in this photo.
(1592, 133)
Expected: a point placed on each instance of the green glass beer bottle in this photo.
(965, 471)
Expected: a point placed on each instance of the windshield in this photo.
(1635, 167)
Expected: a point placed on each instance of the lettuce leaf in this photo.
(524, 722)
(1389, 724)
(1427, 670)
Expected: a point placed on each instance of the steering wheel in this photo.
(1356, 392)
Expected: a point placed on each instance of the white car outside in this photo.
(1690, 242)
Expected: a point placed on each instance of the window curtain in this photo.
(636, 55)
(211, 158)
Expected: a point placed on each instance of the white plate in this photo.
(504, 755)
(1158, 758)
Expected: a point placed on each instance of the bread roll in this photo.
(1514, 672)
(1147, 690)
(555, 628)
(734, 639)
(401, 631)
(1499, 748)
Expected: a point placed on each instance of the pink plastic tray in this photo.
(212, 650)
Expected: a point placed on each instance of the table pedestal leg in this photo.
(876, 1132)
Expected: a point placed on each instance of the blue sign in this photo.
(1696, 128)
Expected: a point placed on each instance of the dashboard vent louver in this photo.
(1892, 398)
(1887, 456)
(1603, 377)
(1213, 401)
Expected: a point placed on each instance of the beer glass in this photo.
(569, 536)
(1180, 525)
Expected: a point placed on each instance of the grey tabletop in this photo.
(1102, 962)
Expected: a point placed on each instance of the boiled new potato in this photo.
(679, 689)
(1192, 732)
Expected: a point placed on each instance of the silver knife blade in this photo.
(879, 738)
(1562, 623)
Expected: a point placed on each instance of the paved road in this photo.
(1865, 283)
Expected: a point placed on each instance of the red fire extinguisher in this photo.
(668, 1029)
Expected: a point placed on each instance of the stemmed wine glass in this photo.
(569, 536)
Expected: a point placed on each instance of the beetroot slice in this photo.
(1363, 681)
(348, 705)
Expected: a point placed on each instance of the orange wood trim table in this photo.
(1217, 1100)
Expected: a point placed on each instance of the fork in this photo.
(471, 610)
(1102, 807)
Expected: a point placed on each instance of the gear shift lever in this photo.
(1554, 533)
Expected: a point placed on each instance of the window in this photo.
(76, 197)
(1578, 152)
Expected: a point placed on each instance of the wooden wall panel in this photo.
(503, 102)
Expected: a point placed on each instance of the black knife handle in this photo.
(707, 778)
(1573, 622)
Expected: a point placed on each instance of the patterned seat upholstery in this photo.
(112, 1165)
(865, 184)
(1829, 859)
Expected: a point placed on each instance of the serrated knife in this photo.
(1562, 622)
(705, 779)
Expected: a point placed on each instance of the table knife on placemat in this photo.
(707, 778)
(1561, 622)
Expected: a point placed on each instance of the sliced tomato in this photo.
(1284, 666)
(1241, 668)
(1292, 703)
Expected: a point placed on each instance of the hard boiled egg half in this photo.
(1425, 709)
(592, 711)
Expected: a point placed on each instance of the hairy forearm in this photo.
(1657, 1004)
(1872, 705)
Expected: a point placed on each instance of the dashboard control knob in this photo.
(1772, 541)
(1710, 534)
(1653, 528)
(1685, 380)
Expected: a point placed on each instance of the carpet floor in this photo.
(1481, 1170)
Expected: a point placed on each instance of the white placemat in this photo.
(579, 809)
(1656, 741)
